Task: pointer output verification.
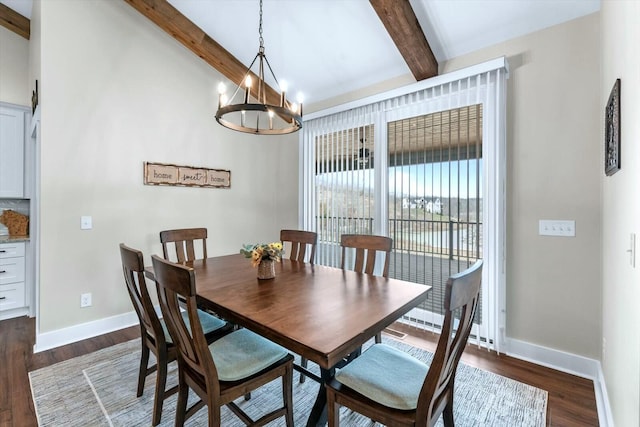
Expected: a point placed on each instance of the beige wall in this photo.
(14, 66)
(620, 22)
(117, 91)
(553, 156)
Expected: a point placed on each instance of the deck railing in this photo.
(447, 238)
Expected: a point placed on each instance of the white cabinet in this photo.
(12, 139)
(12, 280)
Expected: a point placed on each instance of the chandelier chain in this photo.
(260, 28)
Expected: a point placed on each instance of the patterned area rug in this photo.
(99, 389)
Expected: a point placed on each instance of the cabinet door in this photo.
(11, 152)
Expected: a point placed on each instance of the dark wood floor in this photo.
(571, 399)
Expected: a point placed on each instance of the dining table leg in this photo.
(318, 415)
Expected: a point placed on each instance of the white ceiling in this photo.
(325, 48)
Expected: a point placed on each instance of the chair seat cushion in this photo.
(208, 321)
(243, 353)
(386, 375)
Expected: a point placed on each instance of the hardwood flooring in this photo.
(571, 399)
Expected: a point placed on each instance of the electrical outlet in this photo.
(85, 300)
(86, 223)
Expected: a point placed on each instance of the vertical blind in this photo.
(445, 137)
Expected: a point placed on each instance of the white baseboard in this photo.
(16, 312)
(49, 340)
(605, 417)
(569, 363)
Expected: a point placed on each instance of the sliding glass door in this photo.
(425, 168)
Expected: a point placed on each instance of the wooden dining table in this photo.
(322, 313)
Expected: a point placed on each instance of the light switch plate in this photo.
(86, 223)
(562, 228)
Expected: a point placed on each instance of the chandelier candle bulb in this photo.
(247, 83)
(221, 94)
(300, 99)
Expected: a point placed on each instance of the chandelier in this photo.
(253, 113)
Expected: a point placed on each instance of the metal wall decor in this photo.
(612, 131)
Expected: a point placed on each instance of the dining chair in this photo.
(183, 241)
(225, 370)
(153, 331)
(366, 248)
(299, 241)
(395, 389)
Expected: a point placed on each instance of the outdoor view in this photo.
(434, 195)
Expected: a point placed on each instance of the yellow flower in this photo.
(261, 251)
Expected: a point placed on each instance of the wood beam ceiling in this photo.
(169, 19)
(15, 22)
(397, 16)
(402, 25)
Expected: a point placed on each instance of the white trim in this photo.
(35, 119)
(484, 67)
(49, 340)
(15, 312)
(605, 416)
(555, 359)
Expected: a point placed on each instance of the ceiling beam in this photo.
(15, 22)
(174, 23)
(402, 25)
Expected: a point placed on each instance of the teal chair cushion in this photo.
(386, 375)
(208, 321)
(243, 353)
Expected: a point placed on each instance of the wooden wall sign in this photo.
(188, 176)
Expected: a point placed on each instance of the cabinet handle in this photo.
(3, 297)
(3, 271)
(3, 251)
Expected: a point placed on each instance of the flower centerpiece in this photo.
(264, 256)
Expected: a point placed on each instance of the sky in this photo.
(422, 180)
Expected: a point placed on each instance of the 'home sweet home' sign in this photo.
(188, 176)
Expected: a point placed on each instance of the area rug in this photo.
(99, 389)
